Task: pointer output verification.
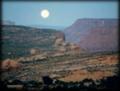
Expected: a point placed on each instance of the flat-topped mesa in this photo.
(94, 35)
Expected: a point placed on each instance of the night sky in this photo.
(61, 13)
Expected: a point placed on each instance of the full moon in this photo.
(45, 13)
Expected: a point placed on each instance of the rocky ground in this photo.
(67, 68)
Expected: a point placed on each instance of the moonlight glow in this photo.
(45, 13)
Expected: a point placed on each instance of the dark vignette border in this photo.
(1, 88)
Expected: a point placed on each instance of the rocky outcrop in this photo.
(63, 47)
(9, 64)
(35, 51)
(59, 42)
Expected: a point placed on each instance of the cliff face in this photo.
(19, 40)
(94, 34)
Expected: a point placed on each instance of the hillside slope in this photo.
(19, 40)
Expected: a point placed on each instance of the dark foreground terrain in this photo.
(107, 84)
(65, 73)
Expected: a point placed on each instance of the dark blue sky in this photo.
(61, 13)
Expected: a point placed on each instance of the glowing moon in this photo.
(45, 13)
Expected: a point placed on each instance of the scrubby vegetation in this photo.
(48, 84)
(17, 40)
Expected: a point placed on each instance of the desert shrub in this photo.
(107, 84)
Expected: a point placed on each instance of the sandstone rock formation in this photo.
(35, 51)
(9, 64)
(67, 47)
